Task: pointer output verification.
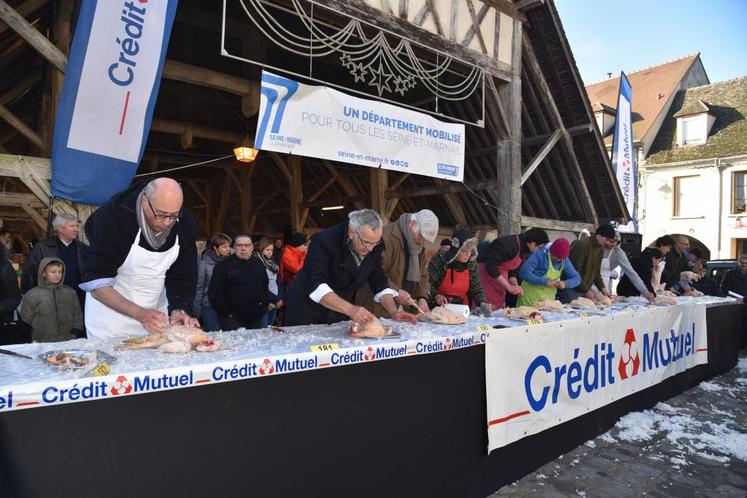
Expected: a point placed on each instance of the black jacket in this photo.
(501, 250)
(112, 229)
(10, 296)
(239, 287)
(734, 281)
(642, 265)
(329, 261)
(676, 263)
(47, 248)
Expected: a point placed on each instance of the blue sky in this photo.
(609, 36)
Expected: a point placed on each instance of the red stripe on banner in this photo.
(324, 364)
(202, 381)
(124, 112)
(28, 403)
(504, 419)
(701, 349)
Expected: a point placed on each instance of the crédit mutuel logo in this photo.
(630, 360)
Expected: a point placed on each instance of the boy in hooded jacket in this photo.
(52, 309)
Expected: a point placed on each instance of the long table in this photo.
(411, 425)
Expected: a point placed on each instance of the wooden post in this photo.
(379, 183)
(246, 197)
(295, 189)
(508, 167)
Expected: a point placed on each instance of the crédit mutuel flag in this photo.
(110, 89)
(623, 152)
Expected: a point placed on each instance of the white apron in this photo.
(140, 279)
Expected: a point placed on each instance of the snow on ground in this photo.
(681, 429)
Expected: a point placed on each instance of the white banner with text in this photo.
(317, 121)
(540, 376)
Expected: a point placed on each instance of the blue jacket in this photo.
(535, 267)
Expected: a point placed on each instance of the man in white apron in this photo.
(141, 264)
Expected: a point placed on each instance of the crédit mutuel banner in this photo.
(318, 121)
(543, 375)
(110, 89)
(623, 152)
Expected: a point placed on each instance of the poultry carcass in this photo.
(443, 315)
(373, 328)
(522, 313)
(550, 305)
(583, 303)
(176, 339)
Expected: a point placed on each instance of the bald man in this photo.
(140, 270)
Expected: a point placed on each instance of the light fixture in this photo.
(246, 152)
(332, 208)
(665, 189)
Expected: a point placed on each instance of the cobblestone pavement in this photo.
(694, 444)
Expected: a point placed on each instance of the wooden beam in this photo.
(573, 131)
(379, 182)
(443, 188)
(17, 199)
(248, 90)
(557, 120)
(540, 156)
(399, 181)
(224, 198)
(524, 5)
(20, 88)
(38, 41)
(295, 189)
(24, 10)
(391, 205)
(16, 166)
(344, 182)
(402, 28)
(567, 226)
(322, 189)
(508, 160)
(200, 131)
(21, 127)
(281, 165)
(35, 217)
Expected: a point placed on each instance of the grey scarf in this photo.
(155, 240)
(413, 267)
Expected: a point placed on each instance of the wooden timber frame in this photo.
(538, 160)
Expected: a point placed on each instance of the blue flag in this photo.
(110, 89)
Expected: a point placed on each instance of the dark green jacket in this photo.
(437, 269)
(586, 256)
(52, 310)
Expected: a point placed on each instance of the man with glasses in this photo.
(404, 261)
(586, 256)
(141, 264)
(239, 288)
(340, 261)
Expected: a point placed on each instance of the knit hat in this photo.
(560, 248)
(606, 230)
(446, 242)
(296, 239)
(462, 240)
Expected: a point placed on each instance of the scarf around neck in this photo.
(269, 263)
(413, 249)
(155, 240)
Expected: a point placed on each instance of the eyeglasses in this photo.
(158, 216)
(368, 245)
